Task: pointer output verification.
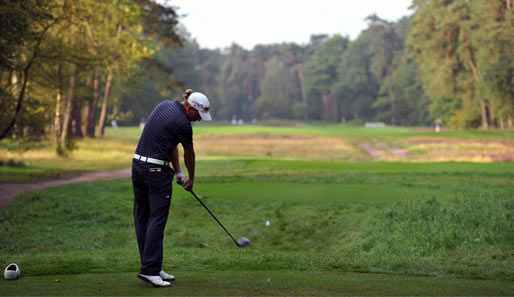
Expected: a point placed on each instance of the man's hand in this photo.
(188, 186)
(181, 179)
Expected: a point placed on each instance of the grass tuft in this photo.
(477, 226)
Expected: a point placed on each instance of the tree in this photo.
(280, 92)
(401, 99)
(231, 91)
(321, 74)
(455, 43)
(24, 25)
(357, 86)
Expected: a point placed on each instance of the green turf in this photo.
(337, 130)
(393, 224)
(34, 161)
(255, 282)
(337, 228)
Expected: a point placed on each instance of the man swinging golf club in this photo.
(168, 125)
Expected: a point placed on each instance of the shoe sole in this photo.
(148, 281)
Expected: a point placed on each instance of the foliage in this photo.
(73, 48)
(19, 25)
(280, 91)
(457, 45)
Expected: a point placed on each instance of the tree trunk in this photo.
(25, 80)
(326, 106)
(107, 93)
(492, 115)
(334, 111)
(301, 77)
(66, 125)
(393, 99)
(91, 116)
(58, 112)
(103, 113)
(485, 124)
(20, 94)
(77, 120)
(69, 102)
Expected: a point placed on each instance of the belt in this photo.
(151, 160)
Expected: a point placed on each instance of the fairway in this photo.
(336, 228)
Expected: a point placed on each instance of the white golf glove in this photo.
(181, 179)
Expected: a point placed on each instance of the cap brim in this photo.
(205, 116)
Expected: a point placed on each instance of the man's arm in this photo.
(174, 160)
(189, 160)
(176, 167)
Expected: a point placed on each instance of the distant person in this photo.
(438, 123)
(114, 124)
(168, 125)
(142, 123)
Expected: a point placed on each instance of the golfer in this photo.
(168, 125)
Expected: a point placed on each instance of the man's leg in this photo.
(160, 198)
(141, 206)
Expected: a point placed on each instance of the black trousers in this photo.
(152, 197)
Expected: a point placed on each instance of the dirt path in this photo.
(381, 151)
(8, 191)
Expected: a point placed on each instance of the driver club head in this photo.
(243, 242)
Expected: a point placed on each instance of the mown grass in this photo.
(360, 227)
(38, 161)
(440, 222)
(256, 283)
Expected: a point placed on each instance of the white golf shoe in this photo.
(166, 277)
(155, 280)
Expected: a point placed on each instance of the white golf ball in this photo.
(268, 223)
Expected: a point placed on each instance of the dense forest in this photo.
(67, 68)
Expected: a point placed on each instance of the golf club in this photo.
(242, 242)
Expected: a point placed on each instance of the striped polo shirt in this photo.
(166, 127)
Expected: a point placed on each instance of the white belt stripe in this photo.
(150, 160)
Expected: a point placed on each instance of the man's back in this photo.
(166, 127)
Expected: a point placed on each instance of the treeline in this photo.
(69, 67)
(329, 79)
(64, 64)
(452, 60)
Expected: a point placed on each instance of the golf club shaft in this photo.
(214, 217)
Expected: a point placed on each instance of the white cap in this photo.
(200, 102)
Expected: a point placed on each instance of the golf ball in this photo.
(268, 223)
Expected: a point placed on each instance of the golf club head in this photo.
(243, 242)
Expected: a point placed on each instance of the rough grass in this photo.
(401, 222)
(277, 146)
(344, 219)
(38, 161)
(463, 226)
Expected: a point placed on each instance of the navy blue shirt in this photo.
(166, 127)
